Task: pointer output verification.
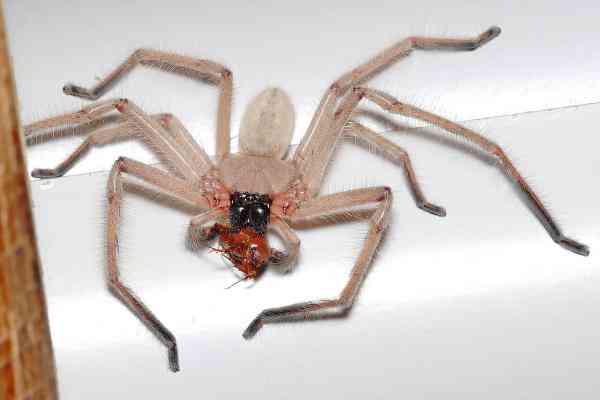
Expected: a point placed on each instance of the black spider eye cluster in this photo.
(249, 210)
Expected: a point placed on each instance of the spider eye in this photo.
(249, 210)
(259, 218)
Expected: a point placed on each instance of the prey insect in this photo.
(260, 189)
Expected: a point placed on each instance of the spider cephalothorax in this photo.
(258, 188)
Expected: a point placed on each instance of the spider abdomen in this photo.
(268, 125)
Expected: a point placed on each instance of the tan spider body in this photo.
(243, 195)
(246, 173)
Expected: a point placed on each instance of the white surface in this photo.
(543, 59)
(480, 303)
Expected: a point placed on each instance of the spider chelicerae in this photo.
(260, 189)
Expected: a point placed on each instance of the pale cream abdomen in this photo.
(268, 125)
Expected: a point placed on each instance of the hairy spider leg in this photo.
(204, 70)
(377, 202)
(172, 145)
(166, 183)
(392, 105)
(316, 148)
(398, 155)
(99, 136)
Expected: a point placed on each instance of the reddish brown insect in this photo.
(247, 250)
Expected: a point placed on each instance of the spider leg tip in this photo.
(433, 209)
(487, 36)
(252, 329)
(174, 360)
(71, 89)
(44, 173)
(248, 334)
(574, 246)
(494, 30)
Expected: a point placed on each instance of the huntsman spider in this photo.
(259, 189)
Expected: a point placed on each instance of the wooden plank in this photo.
(26, 359)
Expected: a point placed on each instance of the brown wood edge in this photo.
(26, 358)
